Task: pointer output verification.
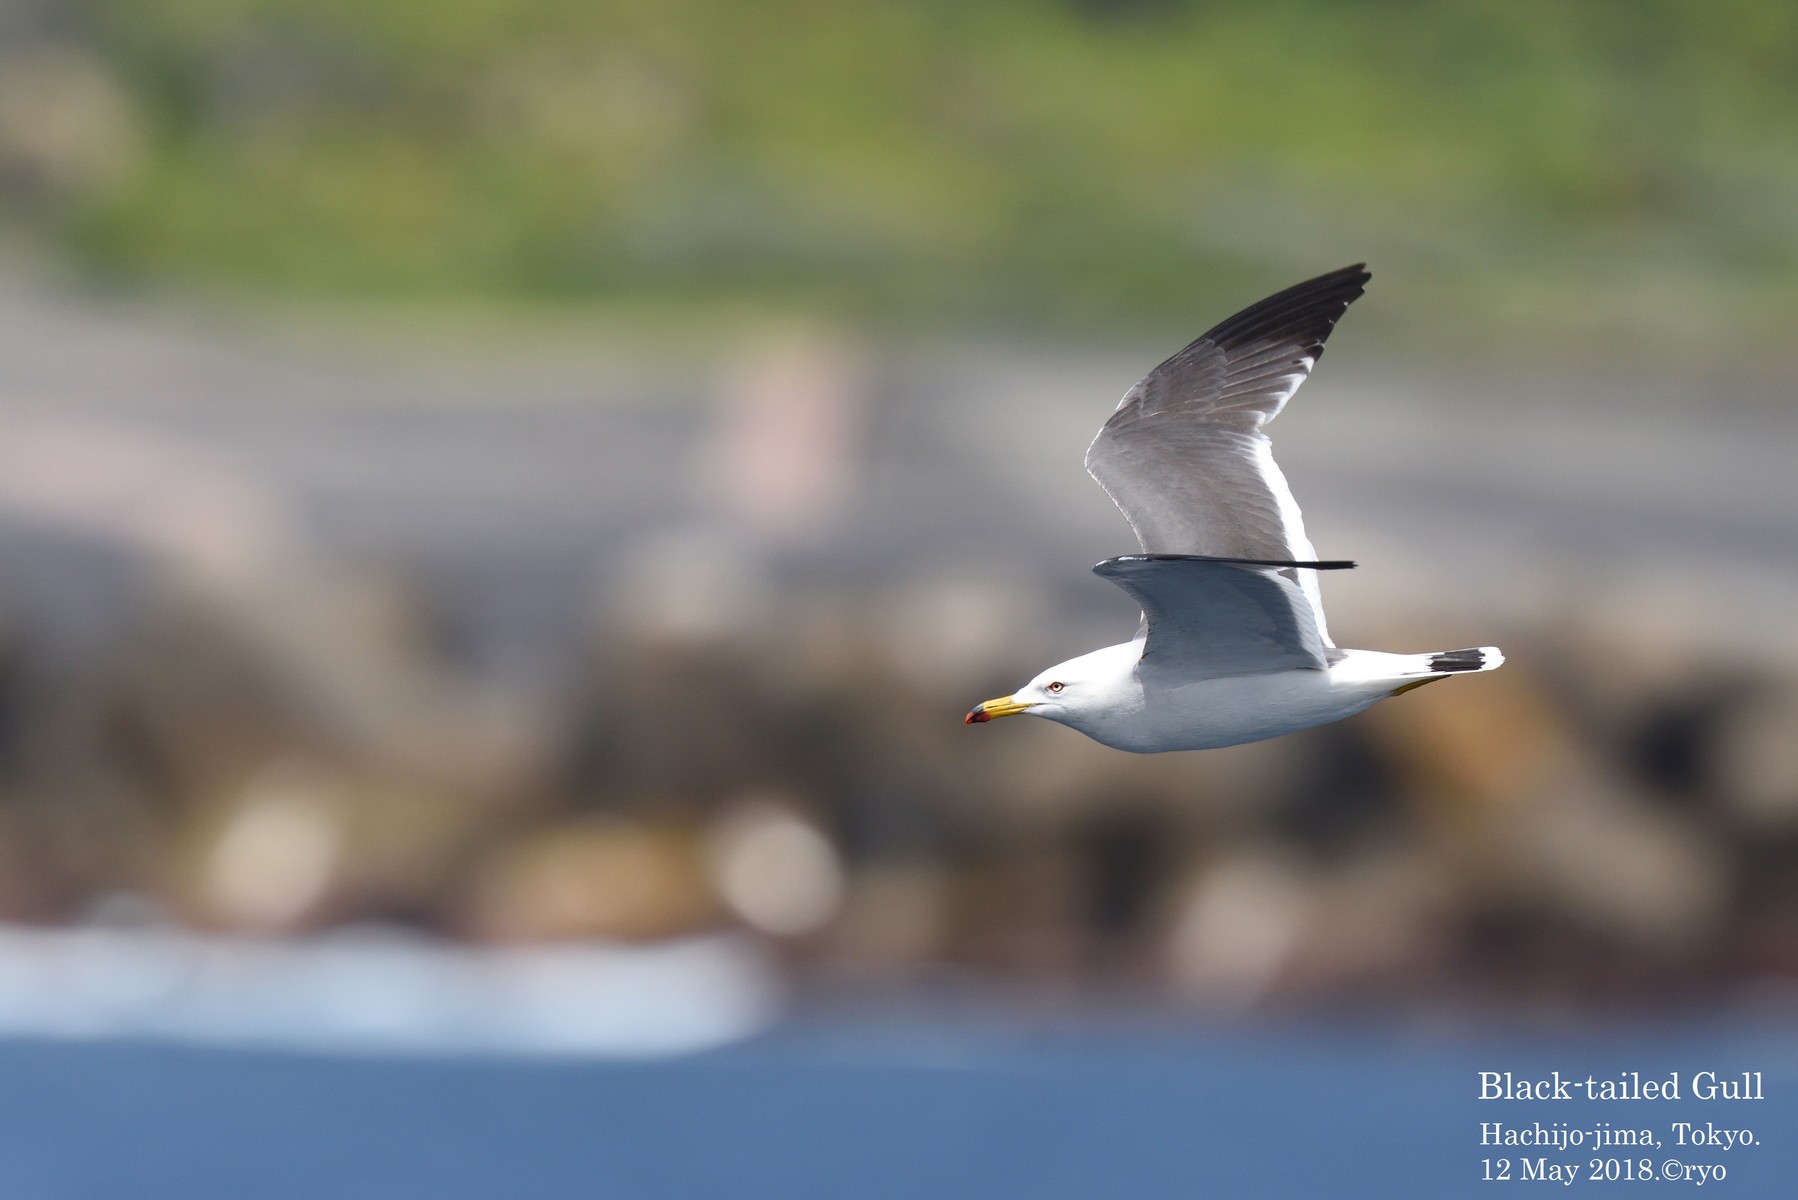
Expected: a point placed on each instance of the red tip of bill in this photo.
(977, 716)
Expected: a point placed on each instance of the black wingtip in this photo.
(1332, 564)
(1305, 312)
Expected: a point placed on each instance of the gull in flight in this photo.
(1233, 647)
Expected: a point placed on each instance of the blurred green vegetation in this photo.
(1053, 161)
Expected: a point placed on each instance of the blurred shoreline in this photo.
(381, 991)
(294, 641)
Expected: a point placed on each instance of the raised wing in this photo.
(1184, 457)
(1211, 617)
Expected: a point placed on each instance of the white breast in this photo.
(1173, 714)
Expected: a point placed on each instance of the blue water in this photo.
(852, 1111)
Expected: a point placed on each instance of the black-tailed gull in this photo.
(1233, 646)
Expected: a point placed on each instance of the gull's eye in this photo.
(1057, 686)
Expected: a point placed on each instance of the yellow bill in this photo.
(1007, 706)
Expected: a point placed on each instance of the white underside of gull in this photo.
(1146, 711)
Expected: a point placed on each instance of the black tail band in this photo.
(1458, 660)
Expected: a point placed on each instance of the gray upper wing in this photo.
(1184, 456)
(1212, 618)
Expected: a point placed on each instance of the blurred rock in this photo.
(1016, 904)
(688, 584)
(29, 891)
(270, 864)
(676, 720)
(405, 845)
(773, 868)
(893, 918)
(201, 515)
(1378, 928)
(1653, 878)
(1471, 749)
(1754, 757)
(595, 878)
(1236, 927)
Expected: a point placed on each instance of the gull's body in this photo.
(1233, 645)
(1145, 710)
